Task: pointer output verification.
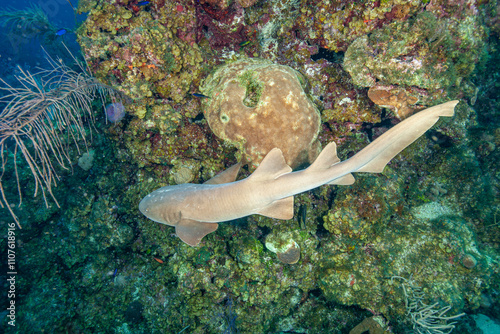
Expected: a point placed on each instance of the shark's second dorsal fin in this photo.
(272, 167)
(229, 175)
(326, 159)
(192, 231)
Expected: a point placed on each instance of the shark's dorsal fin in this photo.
(272, 166)
(394, 140)
(326, 159)
(280, 209)
(192, 231)
(229, 175)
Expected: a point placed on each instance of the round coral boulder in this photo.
(257, 105)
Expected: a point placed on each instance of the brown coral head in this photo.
(395, 98)
(469, 261)
(256, 106)
(246, 3)
(291, 255)
(398, 12)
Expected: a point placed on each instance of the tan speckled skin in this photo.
(284, 117)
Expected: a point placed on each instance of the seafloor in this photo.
(412, 249)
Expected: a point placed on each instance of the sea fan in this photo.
(41, 117)
(31, 22)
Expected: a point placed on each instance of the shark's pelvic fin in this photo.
(272, 167)
(192, 231)
(280, 209)
(345, 180)
(396, 139)
(229, 175)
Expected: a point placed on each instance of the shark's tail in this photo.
(374, 157)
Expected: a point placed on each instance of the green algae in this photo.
(253, 88)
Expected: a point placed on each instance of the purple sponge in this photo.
(115, 112)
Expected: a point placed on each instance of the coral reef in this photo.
(86, 160)
(43, 114)
(418, 53)
(256, 106)
(432, 216)
(115, 112)
(142, 52)
(285, 247)
(425, 317)
(372, 325)
(31, 22)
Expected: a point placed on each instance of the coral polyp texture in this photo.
(257, 105)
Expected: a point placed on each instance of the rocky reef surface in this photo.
(426, 227)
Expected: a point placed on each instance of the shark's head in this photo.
(172, 206)
(164, 205)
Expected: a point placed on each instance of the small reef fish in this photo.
(61, 32)
(302, 216)
(245, 43)
(200, 95)
(196, 209)
(439, 138)
(158, 260)
(143, 3)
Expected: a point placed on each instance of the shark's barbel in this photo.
(196, 209)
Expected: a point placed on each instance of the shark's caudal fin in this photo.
(374, 157)
(272, 167)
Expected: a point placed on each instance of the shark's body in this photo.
(195, 209)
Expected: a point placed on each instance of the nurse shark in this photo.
(196, 209)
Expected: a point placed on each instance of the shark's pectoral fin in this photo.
(272, 167)
(229, 175)
(192, 231)
(280, 209)
(344, 180)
